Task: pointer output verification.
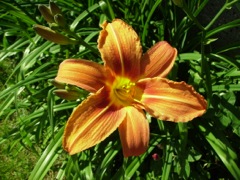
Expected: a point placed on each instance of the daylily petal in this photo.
(159, 60)
(91, 122)
(134, 132)
(172, 101)
(85, 74)
(120, 48)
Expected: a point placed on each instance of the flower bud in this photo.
(67, 94)
(155, 157)
(53, 36)
(57, 84)
(45, 12)
(54, 8)
(60, 20)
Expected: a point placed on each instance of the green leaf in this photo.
(27, 81)
(82, 16)
(168, 162)
(47, 158)
(222, 148)
(132, 164)
(226, 59)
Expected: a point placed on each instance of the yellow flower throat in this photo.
(123, 91)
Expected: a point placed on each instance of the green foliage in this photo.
(33, 117)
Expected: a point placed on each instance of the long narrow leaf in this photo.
(48, 157)
(223, 150)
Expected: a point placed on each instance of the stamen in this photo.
(125, 93)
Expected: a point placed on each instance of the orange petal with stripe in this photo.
(120, 48)
(158, 60)
(91, 122)
(82, 73)
(172, 101)
(134, 132)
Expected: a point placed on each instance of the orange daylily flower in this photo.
(128, 84)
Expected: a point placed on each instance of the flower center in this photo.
(123, 91)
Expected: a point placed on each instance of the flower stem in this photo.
(81, 41)
(225, 6)
(205, 69)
